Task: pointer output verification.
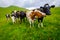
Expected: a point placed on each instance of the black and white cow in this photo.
(18, 15)
(46, 9)
(7, 16)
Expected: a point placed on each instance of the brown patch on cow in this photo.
(32, 15)
(38, 14)
(35, 14)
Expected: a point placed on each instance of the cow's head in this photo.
(46, 9)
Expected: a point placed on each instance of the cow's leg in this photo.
(13, 19)
(24, 19)
(20, 20)
(30, 21)
(38, 22)
(42, 22)
(33, 23)
(30, 24)
(7, 19)
(16, 19)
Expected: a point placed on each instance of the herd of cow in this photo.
(31, 15)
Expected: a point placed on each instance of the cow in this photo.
(22, 15)
(7, 17)
(18, 15)
(31, 15)
(46, 9)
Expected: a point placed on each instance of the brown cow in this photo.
(31, 15)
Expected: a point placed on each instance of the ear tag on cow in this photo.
(46, 5)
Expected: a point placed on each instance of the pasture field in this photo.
(17, 31)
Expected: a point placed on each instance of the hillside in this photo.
(9, 10)
(17, 31)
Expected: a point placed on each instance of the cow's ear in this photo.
(52, 6)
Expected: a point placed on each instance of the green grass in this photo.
(17, 31)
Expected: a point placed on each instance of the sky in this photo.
(28, 3)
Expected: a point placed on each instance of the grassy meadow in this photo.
(17, 31)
